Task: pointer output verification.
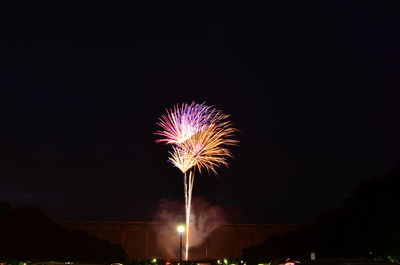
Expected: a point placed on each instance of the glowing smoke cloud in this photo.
(200, 136)
(205, 218)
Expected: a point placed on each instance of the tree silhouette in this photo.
(366, 225)
(27, 234)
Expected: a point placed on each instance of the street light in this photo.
(181, 229)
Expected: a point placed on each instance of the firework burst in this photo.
(201, 136)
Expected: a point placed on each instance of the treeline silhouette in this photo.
(367, 225)
(27, 234)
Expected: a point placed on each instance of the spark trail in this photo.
(200, 136)
(188, 188)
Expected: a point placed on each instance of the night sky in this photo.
(313, 88)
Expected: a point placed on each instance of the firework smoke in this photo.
(200, 136)
(205, 218)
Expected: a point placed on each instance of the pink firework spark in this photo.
(184, 121)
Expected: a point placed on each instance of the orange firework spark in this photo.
(206, 149)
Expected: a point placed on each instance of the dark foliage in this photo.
(367, 225)
(27, 234)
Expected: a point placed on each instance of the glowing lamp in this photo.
(181, 229)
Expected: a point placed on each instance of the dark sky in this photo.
(313, 88)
